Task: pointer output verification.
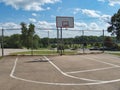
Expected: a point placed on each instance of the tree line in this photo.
(35, 42)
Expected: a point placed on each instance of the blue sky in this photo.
(88, 14)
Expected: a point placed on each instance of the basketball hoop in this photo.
(64, 22)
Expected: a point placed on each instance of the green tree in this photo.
(45, 42)
(36, 43)
(24, 34)
(114, 27)
(30, 35)
(6, 40)
(108, 42)
(14, 41)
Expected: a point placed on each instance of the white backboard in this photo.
(64, 22)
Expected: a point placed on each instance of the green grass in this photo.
(1, 58)
(115, 54)
(45, 52)
(34, 53)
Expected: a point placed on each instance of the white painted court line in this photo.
(65, 74)
(91, 70)
(60, 84)
(93, 59)
(13, 70)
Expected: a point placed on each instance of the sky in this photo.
(88, 14)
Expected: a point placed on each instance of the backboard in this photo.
(64, 22)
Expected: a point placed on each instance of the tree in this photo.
(6, 40)
(114, 27)
(15, 38)
(36, 43)
(44, 42)
(24, 34)
(30, 35)
(108, 42)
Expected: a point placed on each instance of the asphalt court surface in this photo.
(75, 72)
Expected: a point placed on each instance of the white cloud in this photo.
(45, 24)
(32, 20)
(88, 12)
(76, 10)
(34, 14)
(48, 8)
(58, 9)
(91, 13)
(105, 18)
(97, 14)
(12, 27)
(111, 2)
(79, 25)
(101, 0)
(9, 25)
(93, 26)
(35, 5)
(53, 16)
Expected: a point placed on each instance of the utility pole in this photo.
(2, 44)
(48, 38)
(61, 48)
(103, 41)
(83, 41)
(57, 40)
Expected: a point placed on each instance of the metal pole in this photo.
(61, 42)
(103, 41)
(57, 40)
(2, 44)
(32, 47)
(48, 40)
(83, 41)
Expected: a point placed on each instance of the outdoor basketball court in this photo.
(75, 72)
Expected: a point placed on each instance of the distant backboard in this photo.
(64, 22)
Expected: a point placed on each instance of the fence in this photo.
(52, 42)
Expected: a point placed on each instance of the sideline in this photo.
(59, 84)
(13, 69)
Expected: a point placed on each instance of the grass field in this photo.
(43, 52)
(0, 58)
(114, 52)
